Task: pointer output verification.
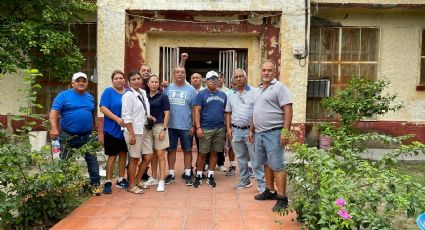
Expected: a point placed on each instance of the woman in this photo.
(113, 139)
(135, 110)
(160, 110)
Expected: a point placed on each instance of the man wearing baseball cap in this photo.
(71, 120)
(209, 123)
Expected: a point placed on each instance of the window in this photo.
(422, 76)
(85, 35)
(336, 53)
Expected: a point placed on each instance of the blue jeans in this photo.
(69, 142)
(268, 149)
(244, 150)
(185, 140)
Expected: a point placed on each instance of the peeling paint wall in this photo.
(399, 54)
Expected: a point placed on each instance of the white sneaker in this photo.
(150, 181)
(222, 168)
(161, 186)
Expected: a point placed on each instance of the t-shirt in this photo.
(76, 111)
(111, 99)
(159, 103)
(268, 102)
(181, 99)
(212, 111)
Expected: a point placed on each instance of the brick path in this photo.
(180, 207)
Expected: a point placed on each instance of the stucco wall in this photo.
(399, 53)
(10, 98)
(373, 1)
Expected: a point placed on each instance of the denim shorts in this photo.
(185, 140)
(268, 149)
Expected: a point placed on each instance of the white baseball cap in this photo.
(78, 75)
(211, 74)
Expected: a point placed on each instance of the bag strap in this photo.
(143, 102)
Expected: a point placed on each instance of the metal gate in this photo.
(170, 60)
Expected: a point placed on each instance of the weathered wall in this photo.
(372, 1)
(399, 53)
(10, 98)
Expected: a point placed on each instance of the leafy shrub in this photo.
(337, 189)
(34, 187)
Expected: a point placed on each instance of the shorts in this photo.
(268, 149)
(135, 151)
(213, 140)
(113, 146)
(154, 133)
(147, 141)
(185, 140)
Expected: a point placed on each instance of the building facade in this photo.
(317, 46)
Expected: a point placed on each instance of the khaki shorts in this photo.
(135, 151)
(147, 141)
(213, 140)
(157, 143)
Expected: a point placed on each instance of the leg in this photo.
(280, 177)
(171, 157)
(154, 166)
(242, 152)
(161, 161)
(110, 167)
(132, 172)
(146, 159)
(121, 164)
(213, 160)
(269, 177)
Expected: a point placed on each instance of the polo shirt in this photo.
(159, 103)
(268, 102)
(241, 106)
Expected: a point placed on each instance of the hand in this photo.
(54, 134)
(184, 56)
(192, 131)
(132, 139)
(165, 84)
(161, 135)
(199, 133)
(100, 138)
(284, 140)
(230, 133)
(152, 117)
(251, 137)
(121, 123)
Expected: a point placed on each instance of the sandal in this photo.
(136, 190)
(141, 185)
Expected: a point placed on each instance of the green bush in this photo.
(337, 189)
(34, 187)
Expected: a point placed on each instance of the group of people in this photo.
(145, 120)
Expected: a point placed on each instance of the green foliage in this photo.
(35, 187)
(374, 191)
(36, 33)
(361, 99)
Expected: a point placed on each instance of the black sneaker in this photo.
(266, 195)
(107, 188)
(251, 173)
(122, 184)
(281, 204)
(188, 180)
(231, 171)
(169, 179)
(211, 182)
(197, 182)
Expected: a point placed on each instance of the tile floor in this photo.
(180, 207)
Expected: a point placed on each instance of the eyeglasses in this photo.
(241, 99)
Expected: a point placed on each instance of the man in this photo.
(209, 122)
(180, 125)
(196, 82)
(74, 108)
(272, 115)
(239, 112)
(145, 72)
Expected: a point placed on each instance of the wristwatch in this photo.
(164, 129)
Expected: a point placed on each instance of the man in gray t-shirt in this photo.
(272, 114)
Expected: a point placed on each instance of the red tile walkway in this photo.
(180, 207)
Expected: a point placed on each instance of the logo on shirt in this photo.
(215, 98)
(177, 97)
